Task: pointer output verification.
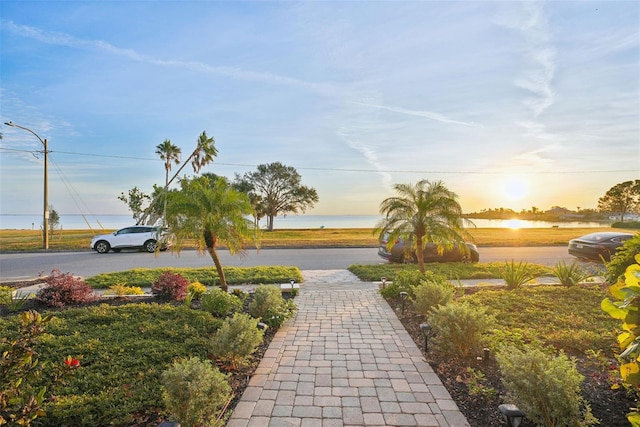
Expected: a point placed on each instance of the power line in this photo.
(435, 172)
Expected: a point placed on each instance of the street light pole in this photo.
(45, 214)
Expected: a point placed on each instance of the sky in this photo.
(513, 104)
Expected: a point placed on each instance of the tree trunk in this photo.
(216, 261)
(420, 253)
(269, 222)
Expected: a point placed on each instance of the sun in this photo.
(515, 188)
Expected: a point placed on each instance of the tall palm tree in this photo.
(170, 153)
(211, 212)
(422, 213)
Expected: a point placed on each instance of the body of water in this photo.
(109, 222)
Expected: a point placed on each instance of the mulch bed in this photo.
(607, 405)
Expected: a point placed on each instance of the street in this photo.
(19, 266)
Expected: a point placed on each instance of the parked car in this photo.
(597, 246)
(397, 253)
(135, 237)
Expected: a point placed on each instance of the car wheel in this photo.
(102, 247)
(150, 246)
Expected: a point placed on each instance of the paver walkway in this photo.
(344, 360)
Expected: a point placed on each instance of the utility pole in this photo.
(45, 213)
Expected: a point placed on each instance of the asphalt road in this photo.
(16, 266)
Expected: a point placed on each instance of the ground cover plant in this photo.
(452, 271)
(145, 277)
(123, 346)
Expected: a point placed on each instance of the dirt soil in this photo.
(481, 409)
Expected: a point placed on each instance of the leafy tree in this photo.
(621, 199)
(276, 189)
(212, 213)
(422, 213)
(54, 221)
(135, 200)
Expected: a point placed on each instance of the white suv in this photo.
(138, 236)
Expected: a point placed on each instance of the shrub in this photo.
(404, 281)
(64, 289)
(623, 258)
(545, 388)
(196, 290)
(570, 274)
(459, 328)
(269, 305)
(237, 339)
(170, 287)
(514, 275)
(220, 303)
(122, 290)
(6, 295)
(430, 294)
(195, 392)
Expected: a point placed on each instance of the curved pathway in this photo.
(344, 360)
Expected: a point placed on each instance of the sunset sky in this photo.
(511, 104)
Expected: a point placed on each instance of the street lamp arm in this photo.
(28, 130)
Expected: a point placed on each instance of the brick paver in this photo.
(344, 360)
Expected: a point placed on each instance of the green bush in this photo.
(121, 290)
(545, 388)
(570, 274)
(406, 280)
(196, 290)
(623, 258)
(170, 287)
(220, 303)
(195, 393)
(237, 339)
(626, 225)
(514, 275)
(63, 289)
(269, 306)
(430, 294)
(459, 328)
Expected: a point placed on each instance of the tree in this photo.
(170, 153)
(621, 199)
(54, 221)
(423, 213)
(203, 154)
(212, 213)
(277, 189)
(135, 200)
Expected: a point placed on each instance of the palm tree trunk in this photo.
(420, 253)
(218, 264)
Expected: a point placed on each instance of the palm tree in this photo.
(211, 212)
(426, 212)
(170, 153)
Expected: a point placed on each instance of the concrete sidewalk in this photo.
(344, 360)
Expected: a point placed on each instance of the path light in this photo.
(262, 326)
(425, 328)
(511, 414)
(292, 281)
(384, 281)
(403, 296)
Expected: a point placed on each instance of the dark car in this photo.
(598, 246)
(397, 253)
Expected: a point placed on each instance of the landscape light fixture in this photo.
(45, 214)
(425, 328)
(262, 326)
(403, 296)
(511, 414)
(292, 281)
(384, 281)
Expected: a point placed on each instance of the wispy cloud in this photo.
(426, 114)
(540, 54)
(61, 39)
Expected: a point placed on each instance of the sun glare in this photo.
(515, 188)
